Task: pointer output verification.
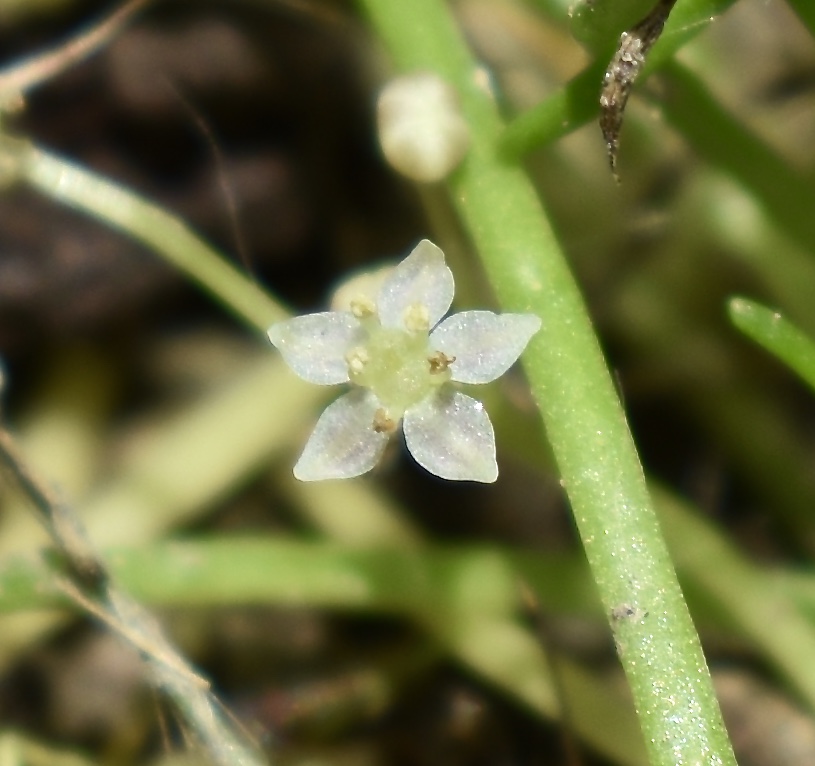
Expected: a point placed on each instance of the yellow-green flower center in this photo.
(398, 365)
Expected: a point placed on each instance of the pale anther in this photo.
(363, 307)
(357, 358)
(417, 318)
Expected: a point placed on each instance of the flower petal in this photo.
(344, 443)
(423, 278)
(315, 345)
(450, 435)
(484, 344)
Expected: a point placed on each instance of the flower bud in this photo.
(421, 129)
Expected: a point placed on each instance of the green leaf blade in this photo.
(775, 333)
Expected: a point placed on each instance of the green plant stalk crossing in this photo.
(727, 144)
(84, 190)
(657, 643)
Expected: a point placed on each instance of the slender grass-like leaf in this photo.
(775, 333)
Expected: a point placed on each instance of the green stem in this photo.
(777, 335)
(597, 22)
(466, 599)
(806, 12)
(449, 584)
(726, 143)
(84, 190)
(567, 109)
(657, 643)
(655, 323)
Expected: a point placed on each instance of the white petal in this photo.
(344, 443)
(315, 345)
(484, 344)
(451, 436)
(423, 277)
(363, 285)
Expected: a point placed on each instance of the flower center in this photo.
(398, 365)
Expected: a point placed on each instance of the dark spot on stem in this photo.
(627, 612)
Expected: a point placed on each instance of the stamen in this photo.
(383, 422)
(357, 358)
(363, 307)
(417, 318)
(439, 362)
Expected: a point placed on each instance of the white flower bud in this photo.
(421, 129)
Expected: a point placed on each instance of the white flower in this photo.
(402, 361)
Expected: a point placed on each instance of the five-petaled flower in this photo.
(402, 361)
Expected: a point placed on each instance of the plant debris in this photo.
(622, 72)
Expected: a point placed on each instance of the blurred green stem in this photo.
(598, 23)
(450, 587)
(657, 643)
(777, 335)
(806, 12)
(84, 190)
(729, 145)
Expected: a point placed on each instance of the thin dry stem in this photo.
(24, 75)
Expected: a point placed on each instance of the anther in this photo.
(356, 359)
(417, 318)
(362, 307)
(439, 362)
(383, 422)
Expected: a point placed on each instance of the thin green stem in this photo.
(466, 599)
(655, 324)
(597, 22)
(725, 142)
(567, 109)
(658, 646)
(777, 335)
(469, 583)
(162, 232)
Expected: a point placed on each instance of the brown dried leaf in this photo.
(622, 72)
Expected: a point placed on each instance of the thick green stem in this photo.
(657, 643)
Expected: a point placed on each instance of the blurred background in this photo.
(105, 348)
